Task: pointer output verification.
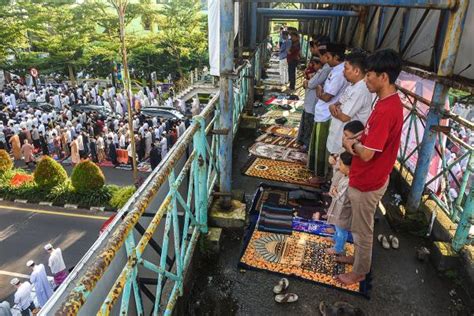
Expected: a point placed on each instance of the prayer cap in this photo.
(15, 281)
(30, 263)
(48, 247)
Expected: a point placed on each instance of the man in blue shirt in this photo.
(285, 44)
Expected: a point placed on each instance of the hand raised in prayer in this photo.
(348, 142)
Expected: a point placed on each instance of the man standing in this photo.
(40, 280)
(285, 44)
(374, 155)
(22, 298)
(293, 58)
(56, 264)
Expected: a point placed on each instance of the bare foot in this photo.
(345, 259)
(316, 180)
(316, 216)
(350, 278)
(330, 251)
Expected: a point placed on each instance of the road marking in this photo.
(19, 275)
(52, 212)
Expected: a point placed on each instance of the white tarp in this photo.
(213, 18)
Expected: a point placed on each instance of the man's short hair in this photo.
(336, 49)
(358, 60)
(354, 127)
(386, 60)
(284, 33)
(346, 158)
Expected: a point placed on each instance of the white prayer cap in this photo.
(30, 263)
(48, 247)
(15, 281)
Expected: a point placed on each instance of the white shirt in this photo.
(23, 295)
(56, 261)
(356, 103)
(334, 85)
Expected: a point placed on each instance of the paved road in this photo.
(24, 231)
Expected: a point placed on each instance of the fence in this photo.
(188, 175)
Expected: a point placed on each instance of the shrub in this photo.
(67, 194)
(49, 173)
(87, 177)
(121, 196)
(6, 162)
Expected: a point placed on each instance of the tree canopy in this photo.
(66, 38)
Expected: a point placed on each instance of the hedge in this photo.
(87, 177)
(49, 173)
(6, 162)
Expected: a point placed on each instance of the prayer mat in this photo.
(321, 228)
(276, 152)
(282, 171)
(301, 255)
(106, 163)
(283, 131)
(278, 140)
(272, 121)
(269, 101)
(124, 167)
(288, 114)
(144, 167)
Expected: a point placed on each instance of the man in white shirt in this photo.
(334, 85)
(22, 297)
(354, 104)
(39, 279)
(56, 264)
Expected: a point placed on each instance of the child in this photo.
(339, 211)
(352, 129)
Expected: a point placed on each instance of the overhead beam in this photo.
(304, 13)
(426, 4)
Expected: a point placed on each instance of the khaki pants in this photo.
(363, 206)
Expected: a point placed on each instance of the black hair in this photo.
(284, 33)
(336, 49)
(295, 33)
(386, 60)
(354, 127)
(322, 39)
(346, 158)
(358, 60)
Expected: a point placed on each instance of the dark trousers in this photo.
(292, 73)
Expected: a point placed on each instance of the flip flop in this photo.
(286, 298)
(394, 242)
(385, 243)
(282, 285)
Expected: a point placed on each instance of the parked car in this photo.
(103, 111)
(163, 112)
(43, 106)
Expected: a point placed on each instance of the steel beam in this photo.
(253, 25)
(446, 68)
(226, 97)
(432, 4)
(304, 13)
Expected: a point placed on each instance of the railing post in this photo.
(226, 99)
(467, 219)
(253, 25)
(200, 173)
(448, 58)
(251, 87)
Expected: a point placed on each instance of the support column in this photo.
(448, 58)
(241, 30)
(253, 25)
(360, 34)
(333, 30)
(226, 99)
(464, 226)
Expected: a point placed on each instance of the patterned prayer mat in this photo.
(284, 131)
(278, 140)
(289, 115)
(276, 152)
(291, 123)
(301, 255)
(282, 171)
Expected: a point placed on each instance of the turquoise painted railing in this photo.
(459, 206)
(190, 171)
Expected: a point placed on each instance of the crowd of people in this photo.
(351, 128)
(62, 130)
(23, 299)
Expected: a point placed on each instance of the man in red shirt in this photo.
(293, 58)
(374, 156)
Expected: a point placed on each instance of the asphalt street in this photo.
(25, 229)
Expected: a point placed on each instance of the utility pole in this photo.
(121, 7)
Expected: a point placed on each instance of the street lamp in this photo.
(121, 7)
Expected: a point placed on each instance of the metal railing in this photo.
(451, 192)
(189, 173)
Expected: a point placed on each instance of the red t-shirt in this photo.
(382, 133)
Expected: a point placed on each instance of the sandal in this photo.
(383, 241)
(394, 242)
(282, 285)
(286, 298)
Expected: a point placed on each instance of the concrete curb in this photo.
(70, 206)
(74, 206)
(20, 201)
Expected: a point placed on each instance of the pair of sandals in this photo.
(280, 292)
(390, 242)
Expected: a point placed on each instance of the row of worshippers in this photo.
(63, 95)
(79, 135)
(23, 299)
(351, 127)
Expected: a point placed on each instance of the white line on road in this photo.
(18, 275)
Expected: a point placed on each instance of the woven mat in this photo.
(276, 152)
(284, 131)
(301, 255)
(291, 123)
(278, 140)
(282, 171)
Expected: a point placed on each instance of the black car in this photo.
(43, 106)
(103, 112)
(162, 112)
